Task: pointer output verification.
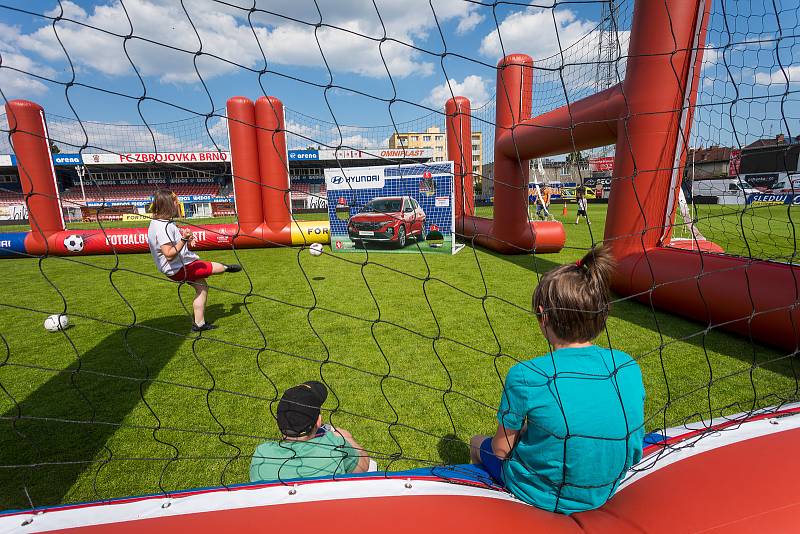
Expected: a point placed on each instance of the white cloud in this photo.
(536, 32)
(565, 50)
(219, 132)
(13, 82)
(469, 22)
(301, 135)
(779, 76)
(71, 10)
(351, 37)
(182, 136)
(711, 55)
(294, 44)
(473, 87)
(89, 46)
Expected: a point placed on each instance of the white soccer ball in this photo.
(315, 249)
(74, 243)
(54, 323)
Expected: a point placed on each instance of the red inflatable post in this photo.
(273, 163)
(755, 298)
(586, 123)
(663, 35)
(696, 66)
(514, 93)
(244, 163)
(510, 232)
(35, 163)
(459, 150)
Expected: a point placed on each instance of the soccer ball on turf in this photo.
(315, 249)
(74, 243)
(54, 323)
(435, 237)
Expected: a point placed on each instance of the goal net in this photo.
(413, 348)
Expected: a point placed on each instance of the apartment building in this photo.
(436, 140)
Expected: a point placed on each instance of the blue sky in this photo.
(350, 37)
(292, 52)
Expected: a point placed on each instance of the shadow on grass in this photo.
(693, 333)
(537, 263)
(675, 327)
(60, 430)
(453, 450)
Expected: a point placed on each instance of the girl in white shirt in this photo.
(172, 253)
(581, 198)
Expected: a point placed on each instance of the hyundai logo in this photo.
(337, 180)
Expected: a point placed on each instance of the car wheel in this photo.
(422, 236)
(401, 236)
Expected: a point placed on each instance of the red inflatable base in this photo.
(539, 237)
(209, 237)
(757, 299)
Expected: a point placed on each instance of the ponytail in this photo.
(574, 299)
(598, 264)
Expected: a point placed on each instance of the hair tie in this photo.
(579, 263)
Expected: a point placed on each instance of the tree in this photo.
(576, 158)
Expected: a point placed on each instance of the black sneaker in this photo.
(233, 268)
(204, 327)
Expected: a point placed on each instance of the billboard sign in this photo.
(375, 153)
(303, 155)
(67, 159)
(355, 178)
(763, 181)
(735, 163)
(186, 199)
(393, 208)
(766, 199)
(156, 157)
(13, 212)
(601, 164)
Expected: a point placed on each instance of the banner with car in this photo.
(393, 208)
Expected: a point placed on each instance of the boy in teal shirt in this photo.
(307, 449)
(570, 423)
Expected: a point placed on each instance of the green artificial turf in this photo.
(413, 348)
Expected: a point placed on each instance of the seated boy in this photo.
(307, 449)
(571, 422)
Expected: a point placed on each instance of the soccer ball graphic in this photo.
(74, 243)
(54, 323)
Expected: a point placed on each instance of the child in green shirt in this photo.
(308, 449)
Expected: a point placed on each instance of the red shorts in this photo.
(192, 272)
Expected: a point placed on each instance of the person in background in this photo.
(543, 204)
(172, 252)
(580, 196)
(570, 422)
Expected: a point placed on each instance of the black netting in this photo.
(414, 349)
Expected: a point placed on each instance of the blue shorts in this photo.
(491, 463)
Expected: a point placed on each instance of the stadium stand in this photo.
(136, 192)
(11, 197)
